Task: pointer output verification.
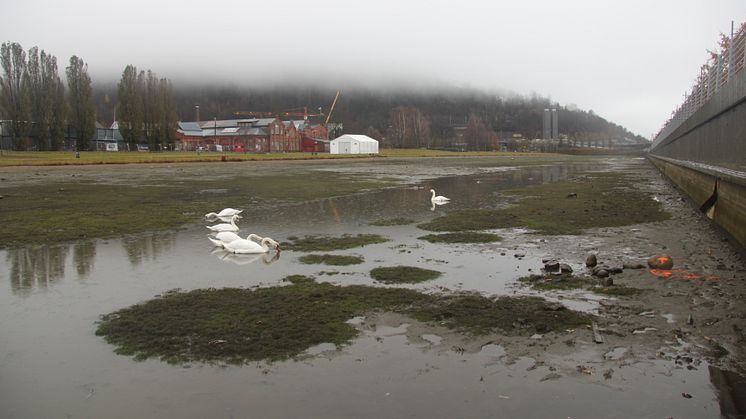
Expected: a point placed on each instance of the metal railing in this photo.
(714, 74)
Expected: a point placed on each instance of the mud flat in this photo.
(191, 331)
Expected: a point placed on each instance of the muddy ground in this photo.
(692, 316)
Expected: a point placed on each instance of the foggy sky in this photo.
(629, 61)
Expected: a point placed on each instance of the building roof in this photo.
(361, 138)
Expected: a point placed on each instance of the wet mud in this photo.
(659, 344)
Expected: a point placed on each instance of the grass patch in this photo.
(334, 260)
(327, 243)
(58, 208)
(239, 325)
(598, 200)
(403, 274)
(462, 237)
(392, 222)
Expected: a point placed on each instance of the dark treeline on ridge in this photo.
(374, 111)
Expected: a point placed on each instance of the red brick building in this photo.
(248, 135)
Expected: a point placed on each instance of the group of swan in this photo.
(232, 242)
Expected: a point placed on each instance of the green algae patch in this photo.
(60, 209)
(334, 260)
(240, 325)
(392, 222)
(328, 243)
(403, 274)
(567, 207)
(462, 237)
(479, 315)
(236, 326)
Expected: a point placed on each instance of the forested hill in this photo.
(364, 110)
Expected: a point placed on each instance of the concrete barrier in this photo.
(721, 191)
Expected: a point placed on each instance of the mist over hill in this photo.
(362, 109)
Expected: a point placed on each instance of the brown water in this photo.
(52, 364)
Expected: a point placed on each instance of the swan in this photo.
(225, 226)
(226, 212)
(438, 198)
(248, 246)
(229, 236)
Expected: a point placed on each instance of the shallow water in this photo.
(52, 364)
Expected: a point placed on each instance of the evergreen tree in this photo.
(82, 112)
(169, 123)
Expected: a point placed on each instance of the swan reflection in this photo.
(245, 259)
(436, 203)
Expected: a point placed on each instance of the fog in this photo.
(630, 62)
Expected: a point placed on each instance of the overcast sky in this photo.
(629, 61)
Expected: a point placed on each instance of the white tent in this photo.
(353, 144)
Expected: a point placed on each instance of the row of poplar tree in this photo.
(37, 112)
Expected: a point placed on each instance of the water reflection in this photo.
(731, 389)
(245, 259)
(148, 246)
(83, 256)
(36, 266)
(436, 203)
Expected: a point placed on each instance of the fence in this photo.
(712, 77)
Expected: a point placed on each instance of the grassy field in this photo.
(60, 158)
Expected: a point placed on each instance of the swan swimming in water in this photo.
(438, 198)
(225, 226)
(229, 236)
(247, 246)
(225, 213)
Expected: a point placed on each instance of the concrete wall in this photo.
(716, 133)
(729, 210)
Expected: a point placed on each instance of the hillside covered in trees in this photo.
(37, 111)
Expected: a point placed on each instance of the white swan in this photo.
(229, 236)
(247, 246)
(438, 198)
(225, 226)
(226, 212)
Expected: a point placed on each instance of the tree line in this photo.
(38, 113)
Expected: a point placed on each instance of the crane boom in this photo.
(329, 116)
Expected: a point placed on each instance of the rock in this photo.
(633, 266)
(615, 270)
(602, 273)
(572, 195)
(591, 261)
(660, 262)
(551, 265)
(565, 268)
(608, 282)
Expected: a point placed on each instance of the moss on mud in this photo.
(327, 243)
(239, 325)
(403, 274)
(55, 211)
(567, 207)
(462, 237)
(334, 260)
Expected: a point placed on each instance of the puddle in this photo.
(51, 297)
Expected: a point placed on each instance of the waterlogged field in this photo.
(113, 303)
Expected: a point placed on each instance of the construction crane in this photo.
(329, 116)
